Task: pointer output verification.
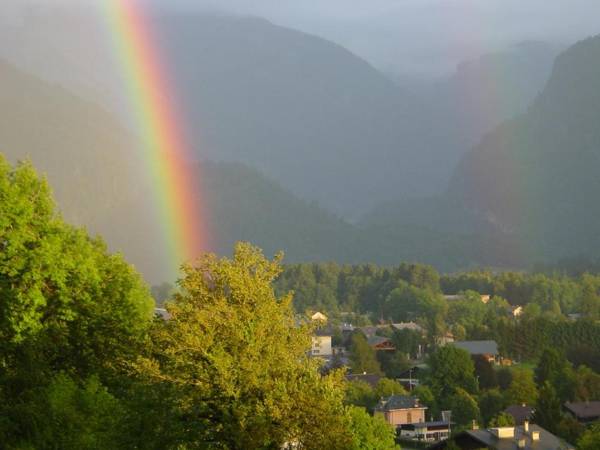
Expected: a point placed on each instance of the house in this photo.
(584, 412)
(370, 378)
(516, 311)
(506, 438)
(487, 349)
(162, 313)
(381, 343)
(485, 298)
(401, 410)
(521, 413)
(318, 317)
(447, 338)
(321, 343)
(412, 326)
(425, 431)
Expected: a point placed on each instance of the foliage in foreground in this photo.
(84, 366)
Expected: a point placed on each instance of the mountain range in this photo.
(314, 151)
(303, 110)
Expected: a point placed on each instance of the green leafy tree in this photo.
(485, 372)
(504, 377)
(426, 397)
(451, 368)
(587, 384)
(491, 403)
(464, 408)
(590, 440)
(363, 358)
(394, 363)
(68, 416)
(502, 419)
(547, 412)
(239, 362)
(359, 393)
(67, 306)
(370, 433)
(522, 388)
(386, 387)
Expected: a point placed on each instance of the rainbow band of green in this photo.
(166, 155)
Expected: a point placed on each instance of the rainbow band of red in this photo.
(165, 151)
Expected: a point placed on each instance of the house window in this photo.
(409, 417)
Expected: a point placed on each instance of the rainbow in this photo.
(166, 153)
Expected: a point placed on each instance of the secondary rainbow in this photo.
(166, 153)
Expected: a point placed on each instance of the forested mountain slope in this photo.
(536, 177)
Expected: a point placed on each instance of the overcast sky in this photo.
(416, 37)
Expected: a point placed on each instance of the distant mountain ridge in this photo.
(304, 111)
(527, 193)
(537, 175)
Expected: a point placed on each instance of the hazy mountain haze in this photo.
(330, 130)
(424, 38)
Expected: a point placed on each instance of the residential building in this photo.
(485, 298)
(319, 317)
(321, 343)
(516, 311)
(521, 413)
(584, 412)
(379, 343)
(527, 436)
(401, 409)
(412, 326)
(447, 338)
(370, 378)
(487, 349)
(425, 431)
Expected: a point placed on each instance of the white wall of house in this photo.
(321, 346)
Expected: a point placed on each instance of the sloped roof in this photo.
(521, 413)
(377, 340)
(584, 410)
(394, 402)
(485, 438)
(408, 326)
(478, 347)
(369, 378)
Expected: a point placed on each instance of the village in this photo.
(398, 388)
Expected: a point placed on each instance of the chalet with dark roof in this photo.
(521, 413)
(584, 412)
(487, 349)
(378, 343)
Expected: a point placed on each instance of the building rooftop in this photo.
(369, 378)
(408, 326)
(395, 402)
(584, 410)
(478, 347)
(508, 438)
(521, 413)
